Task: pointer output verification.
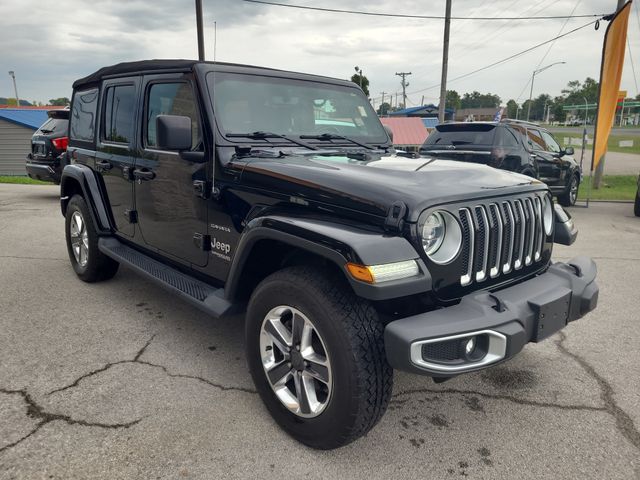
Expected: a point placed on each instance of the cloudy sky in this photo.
(49, 44)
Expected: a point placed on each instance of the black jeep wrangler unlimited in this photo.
(241, 187)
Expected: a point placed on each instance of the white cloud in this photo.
(50, 44)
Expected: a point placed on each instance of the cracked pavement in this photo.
(121, 380)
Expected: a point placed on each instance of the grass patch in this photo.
(612, 144)
(21, 180)
(614, 187)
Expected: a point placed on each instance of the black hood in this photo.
(372, 186)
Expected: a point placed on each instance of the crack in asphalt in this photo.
(136, 359)
(38, 412)
(493, 396)
(624, 422)
(33, 258)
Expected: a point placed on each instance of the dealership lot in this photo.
(122, 380)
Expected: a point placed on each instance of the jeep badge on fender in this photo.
(279, 194)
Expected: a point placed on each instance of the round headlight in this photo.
(441, 237)
(547, 216)
(433, 233)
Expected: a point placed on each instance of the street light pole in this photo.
(533, 77)
(15, 88)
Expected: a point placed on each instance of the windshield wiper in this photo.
(266, 135)
(45, 130)
(333, 136)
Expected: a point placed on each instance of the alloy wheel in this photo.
(295, 361)
(573, 192)
(79, 238)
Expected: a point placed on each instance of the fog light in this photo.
(470, 346)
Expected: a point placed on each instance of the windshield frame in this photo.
(222, 139)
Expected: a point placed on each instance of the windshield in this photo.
(251, 103)
(460, 134)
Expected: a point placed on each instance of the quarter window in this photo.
(83, 115)
(118, 113)
(171, 99)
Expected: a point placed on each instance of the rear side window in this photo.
(461, 134)
(118, 121)
(171, 99)
(535, 139)
(83, 115)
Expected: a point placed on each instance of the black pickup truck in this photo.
(278, 194)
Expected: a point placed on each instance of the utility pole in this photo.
(445, 62)
(382, 103)
(200, 30)
(397, 101)
(404, 84)
(597, 176)
(215, 39)
(15, 89)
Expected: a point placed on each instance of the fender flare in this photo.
(337, 243)
(85, 177)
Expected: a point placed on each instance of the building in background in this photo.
(409, 133)
(17, 125)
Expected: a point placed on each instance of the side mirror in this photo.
(173, 132)
(568, 151)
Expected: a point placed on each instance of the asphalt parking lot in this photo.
(121, 380)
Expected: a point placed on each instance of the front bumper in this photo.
(502, 322)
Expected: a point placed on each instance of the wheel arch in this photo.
(80, 180)
(271, 243)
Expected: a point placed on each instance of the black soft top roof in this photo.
(148, 66)
(132, 67)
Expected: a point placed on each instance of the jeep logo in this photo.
(223, 247)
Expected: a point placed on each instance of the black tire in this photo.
(98, 266)
(636, 205)
(362, 380)
(569, 196)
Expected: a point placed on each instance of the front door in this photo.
(172, 216)
(115, 152)
(548, 162)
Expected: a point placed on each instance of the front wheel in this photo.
(570, 196)
(316, 355)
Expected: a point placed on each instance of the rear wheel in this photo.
(570, 196)
(636, 205)
(317, 358)
(89, 263)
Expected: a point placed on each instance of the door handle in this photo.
(143, 174)
(103, 165)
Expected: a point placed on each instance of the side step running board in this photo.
(204, 296)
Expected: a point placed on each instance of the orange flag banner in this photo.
(615, 40)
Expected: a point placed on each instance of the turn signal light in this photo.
(360, 272)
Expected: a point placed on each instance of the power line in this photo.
(506, 59)
(559, 32)
(424, 17)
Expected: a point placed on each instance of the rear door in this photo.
(172, 213)
(115, 149)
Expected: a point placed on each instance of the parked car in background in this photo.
(48, 147)
(520, 147)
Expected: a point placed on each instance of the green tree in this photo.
(60, 102)
(384, 108)
(452, 100)
(355, 78)
(480, 100)
(512, 109)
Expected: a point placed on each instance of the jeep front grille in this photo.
(500, 237)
